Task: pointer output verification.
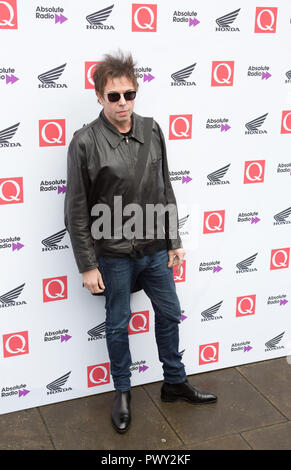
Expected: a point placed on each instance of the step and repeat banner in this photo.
(217, 78)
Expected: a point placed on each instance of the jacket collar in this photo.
(114, 137)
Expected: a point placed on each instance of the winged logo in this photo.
(97, 331)
(218, 174)
(8, 133)
(272, 343)
(211, 311)
(182, 221)
(225, 20)
(58, 383)
(255, 123)
(11, 295)
(49, 77)
(100, 16)
(246, 263)
(52, 240)
(183, 74)
(288, 74)
(281, 216)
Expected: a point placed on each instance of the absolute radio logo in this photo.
(254, 171)
(180, 175)
(144, 18)
(58, 335)
(52, 243)
(280, 299)
(139, 366)
(8, 14)
(215, 178)
(139, 322)
(218, 123)
(7, 134)
(98, 374)
(90, 68)
(19, 390)
(8, 299)
(214, 221)
(244, 265)
(222, 73)
(245, 305)
(280, 218)
(224, 22)
(213, 266)
(7, 75)
(179, 78)
(266, 19)
(244, 346)
(286, 122)
(48, 79)
(251, 217)
(284, 168)
(259, 71)
(145, 73)
(180, 276)
(11, 242)
(15, 344)
(58, 185)
(280, 258)
(11, 190)
(50, 13)
(57, 386)
(96, 20)
(55, 288)
(52, 132)
(210, 313)
(180, 127)
(208, 353)
(253, 126)
(189, 17)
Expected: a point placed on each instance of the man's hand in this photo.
(93, 281)
(176, 257)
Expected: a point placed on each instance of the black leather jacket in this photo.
(100, 165)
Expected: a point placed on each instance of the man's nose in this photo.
(122, 100)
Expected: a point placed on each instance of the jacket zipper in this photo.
(133, 239)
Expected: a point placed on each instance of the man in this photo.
(103, 159)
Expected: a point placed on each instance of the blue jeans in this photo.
(119, 276)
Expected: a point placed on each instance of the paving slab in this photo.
(24, 430)
(239, 408)
(277, 437)
(272, 378)
(231, 442)
(85, 423)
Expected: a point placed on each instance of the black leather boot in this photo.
(120, 415)
(185, 391)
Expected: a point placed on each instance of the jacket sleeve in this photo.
(76, 211)
(171, 230)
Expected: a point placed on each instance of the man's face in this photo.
(118, 113)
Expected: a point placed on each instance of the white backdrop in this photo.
(227, 123)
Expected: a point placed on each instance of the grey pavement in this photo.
(253, 411)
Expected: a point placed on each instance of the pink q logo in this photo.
(286, 122)
(208, 353)
(222, 73)
(89, 70)
(15, 344)
(98, 374)
(52, 133)
(280, 258)
(11, 190)
(180, 127)
(214, 221)
(55, 288)
(245, 305)
(8, 14)
(254, 171)
(144, 18)
(266, 19)
(139, 323)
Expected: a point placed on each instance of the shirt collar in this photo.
(114, 137)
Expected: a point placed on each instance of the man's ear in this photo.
(99, 98)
